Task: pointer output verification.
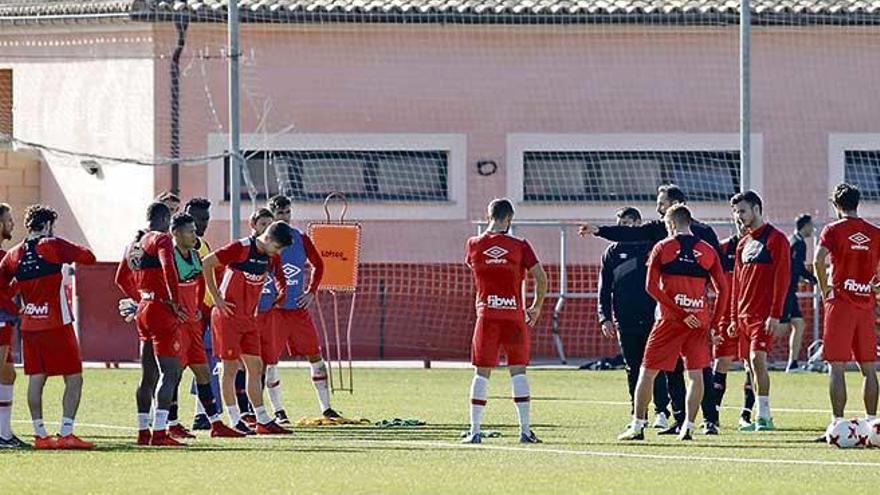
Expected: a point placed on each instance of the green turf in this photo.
(580, 454)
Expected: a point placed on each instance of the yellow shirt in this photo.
(204, 250)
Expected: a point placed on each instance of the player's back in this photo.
(854, 248)
(37, 265)
(499, 262)
(142, 257)
(685, 262)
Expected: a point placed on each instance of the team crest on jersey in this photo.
(752, 251)
(496, 254)
(859, 241)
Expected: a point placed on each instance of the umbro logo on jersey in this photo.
(858, 241)
(290, 274)
(496, 254)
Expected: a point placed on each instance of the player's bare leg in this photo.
(795, 339)
(209, 403)
(146, 391)
(253, 366)
(837, 388)
(8, 440)
(230, 400)
(169, 378)
(761, 380)
(869, 388)
(479, 396)
(642, 396)
(519, 384)
(42, 440)
(319, 381)
(695, 388)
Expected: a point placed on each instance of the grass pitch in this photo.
(578, 415)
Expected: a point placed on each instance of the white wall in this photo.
(99, 105)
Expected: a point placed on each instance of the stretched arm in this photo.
(649, 231)
(7, 274)
(606, 283)
(209, 266)
(317, 264)
(57, 250)
(165, 250)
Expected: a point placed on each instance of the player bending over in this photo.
(233, 320)
(677, 272)
(499, 263)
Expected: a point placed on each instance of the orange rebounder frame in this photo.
(338, 243)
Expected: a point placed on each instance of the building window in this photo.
(862, 168)
(367, 176)
(5, 104)
(615, 176)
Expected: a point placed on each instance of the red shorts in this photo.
(757, 338)
(295, 330)
(670, 340)
(157, 324)
(6, 339)
(234, 336)
(849, 333)
(491, 335)
(51, 352)
(268, 341)
(192, 345)
(735, 347)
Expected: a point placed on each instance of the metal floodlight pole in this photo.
(235, 159)
(745, 35)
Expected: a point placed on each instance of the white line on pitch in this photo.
(622, 403)
(589, 453)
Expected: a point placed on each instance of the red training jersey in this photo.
(147, 272)
(762, 274)
(7, 296)
(499, 263)
(854, 247)
(246, 268)
(35, 265)
(678, 270)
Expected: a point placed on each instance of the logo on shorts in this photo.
(498, 302)
(860, 289)
(689, 303)
(36, 310)
(858, 241)
(496, 254)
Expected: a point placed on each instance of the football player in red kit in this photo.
(233, 319)
(499, 263)
(49, 342)
(8, 317)
(678, 270)
(760, 285)
(854, 247)
(147, 274)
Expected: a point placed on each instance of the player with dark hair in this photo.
(792, 315)
(8, 317)
(626, 311)
(148, 275)
(233, 320)
(500, 263)
(760, 283)
(854, 248)
(293, 326)
(678, 270)
(49, 342)
(655, 231)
